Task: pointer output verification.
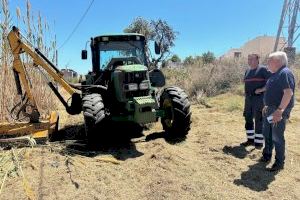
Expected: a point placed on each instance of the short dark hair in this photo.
(254, 54)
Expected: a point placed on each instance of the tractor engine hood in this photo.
(132, 68)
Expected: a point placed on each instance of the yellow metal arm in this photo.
(19, 46)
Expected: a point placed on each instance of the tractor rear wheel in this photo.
(94, 114)
(176, 105)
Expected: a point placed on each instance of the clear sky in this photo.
(214, 25)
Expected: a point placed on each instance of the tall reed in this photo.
(37, 31)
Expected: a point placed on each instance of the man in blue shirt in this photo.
(255, 80)
(278, 101)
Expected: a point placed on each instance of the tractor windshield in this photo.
(132, 51)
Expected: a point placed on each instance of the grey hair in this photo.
(279, 55)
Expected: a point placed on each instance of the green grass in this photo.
(228, 102)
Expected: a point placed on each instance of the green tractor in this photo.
(127, 91)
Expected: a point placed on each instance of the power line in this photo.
(77, 25)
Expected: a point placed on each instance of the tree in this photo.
(208, 57)
(156, 31)
(141, 26)
(175, 59)
(189, 60)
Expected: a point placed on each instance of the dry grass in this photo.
(44, 97)
(201, 80)
(296, 71)
(209, 164)
(36, 32)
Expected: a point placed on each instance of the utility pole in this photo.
(288, 20)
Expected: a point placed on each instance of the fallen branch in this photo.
(31, 141)
(110, 160)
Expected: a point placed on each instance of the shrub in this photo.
(205, 80)
(208, 57)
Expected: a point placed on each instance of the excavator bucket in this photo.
(40, 131)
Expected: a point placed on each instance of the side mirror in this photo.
(84, 54)
(156, 48)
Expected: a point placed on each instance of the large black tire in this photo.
(94, 114)
(176, 105)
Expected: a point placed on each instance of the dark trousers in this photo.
(274, 136)
(253, 110)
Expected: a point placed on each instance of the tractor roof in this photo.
(120, 36)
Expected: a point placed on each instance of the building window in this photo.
(237, 54)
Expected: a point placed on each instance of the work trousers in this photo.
(274, 136)
(253, 110)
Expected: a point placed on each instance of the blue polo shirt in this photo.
(282, 79)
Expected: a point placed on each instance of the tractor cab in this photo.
(111, 51)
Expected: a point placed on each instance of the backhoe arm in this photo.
(19, 46)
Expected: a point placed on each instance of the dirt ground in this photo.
(208, 164)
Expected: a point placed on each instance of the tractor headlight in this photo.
(144, 86)
(132, 87)
(105, 39)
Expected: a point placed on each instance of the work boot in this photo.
(247, 143)
(276, 167)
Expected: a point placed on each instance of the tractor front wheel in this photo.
(176, 105)
(94, 114)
